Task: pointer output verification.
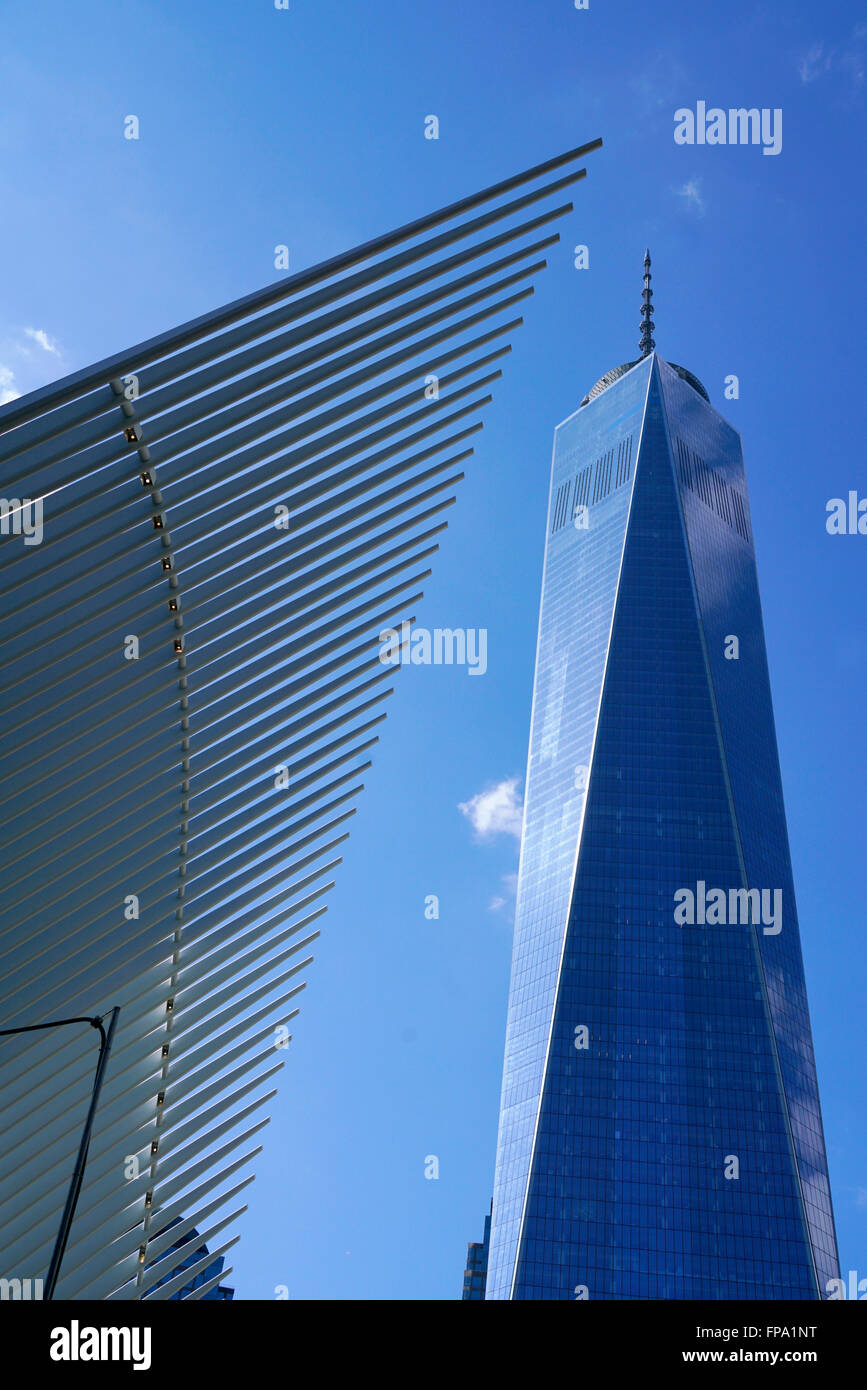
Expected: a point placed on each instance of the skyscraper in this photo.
(476, 1272)
(204, 1284)
(660, 1132)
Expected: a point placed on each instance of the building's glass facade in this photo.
(192, 1255)
(476, 1272)
(660, 1134)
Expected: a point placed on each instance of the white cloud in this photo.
(20, 367)
(7, 386)
(495, 811)
(815, 63)
(657, 86)
(861, 1197)
(852, 61)
(849, 58)
(41, 337)
(692, 196)
(509, 889)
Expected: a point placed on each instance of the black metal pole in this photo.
(81, 1159)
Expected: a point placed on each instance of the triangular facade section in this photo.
(709, 468)
(592, 475)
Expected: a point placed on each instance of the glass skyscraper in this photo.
(660, 1131)
(476, 1272)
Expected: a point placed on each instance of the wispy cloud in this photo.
(7, 385)
(815, 63)
(25, 363)
(39, 336)
(861, 1197)
(506, 896)
(659, 81)
(693, 198)
(495, 811)
(849, 57)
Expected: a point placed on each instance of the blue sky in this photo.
(306, 127)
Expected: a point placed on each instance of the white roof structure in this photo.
(190, 692)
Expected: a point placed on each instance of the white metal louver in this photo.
(189, 694)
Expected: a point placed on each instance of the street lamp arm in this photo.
(105, 1040)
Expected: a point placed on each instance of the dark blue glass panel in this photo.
(728, 594)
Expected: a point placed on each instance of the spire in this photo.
(647, 344)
